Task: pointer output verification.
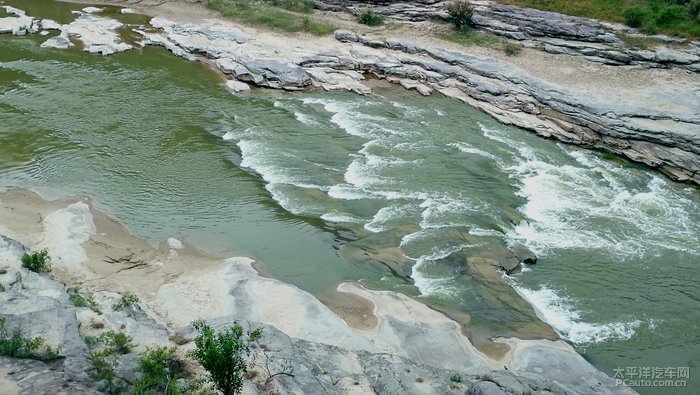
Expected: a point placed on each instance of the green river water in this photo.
(323, 187)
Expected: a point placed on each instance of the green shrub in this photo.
(671, 15)
(128, 300)
(37, 261)
(113, 342)
(13, 344)
(456, 378)
(160, 372)
(370, 18)
(461, 12)
(694, 9)
(635, 16)
(284, 15)
(223, 354)
(80, 299)
(102, 371)
(512, 49)
(302, 6)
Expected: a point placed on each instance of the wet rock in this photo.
(19, 24)
(523, 254)
(237, 86)
(98, 34)
(58, 42)
(509, 264)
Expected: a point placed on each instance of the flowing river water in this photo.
(394, 190)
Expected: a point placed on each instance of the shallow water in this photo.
(325, 188)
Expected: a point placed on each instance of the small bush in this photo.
(301, 6)
(370, 18)
(671, 15)
(694, 9)
(113, 342)
(13, 344)
(160, 370)
(512, 49)
(223, 354)
(128, 300)
(456, 378)
(635, 16)
(80, 299)
(37, 261)
(638, 41)
(102, 371)
(273, 14)
(461, 12)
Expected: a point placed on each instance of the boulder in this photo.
(237, 86)
(523, 254)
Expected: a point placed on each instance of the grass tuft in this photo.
(470, 38)
(284, 15)
(674, 18)
(37, 261)
(370, 18)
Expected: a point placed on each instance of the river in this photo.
(394, 190)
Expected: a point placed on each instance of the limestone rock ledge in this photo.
(552, 32)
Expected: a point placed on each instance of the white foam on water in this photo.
(409, 110)
(347, 192)
(340, 217)
(521, 148)
(559, 313)
(470, 149)
(348, 117)
(565, 201)
(418, 145)
(439, 212)
(300, 116)
(429, 285)
(388, 214)
(258, 157)
(485, 232)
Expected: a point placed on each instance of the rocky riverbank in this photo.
(651, 116)
(402, 346)
(553, 33)
(647, 115)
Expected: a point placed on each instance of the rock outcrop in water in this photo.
(98, 34)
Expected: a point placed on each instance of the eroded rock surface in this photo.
(410, 349)
(550, 31)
